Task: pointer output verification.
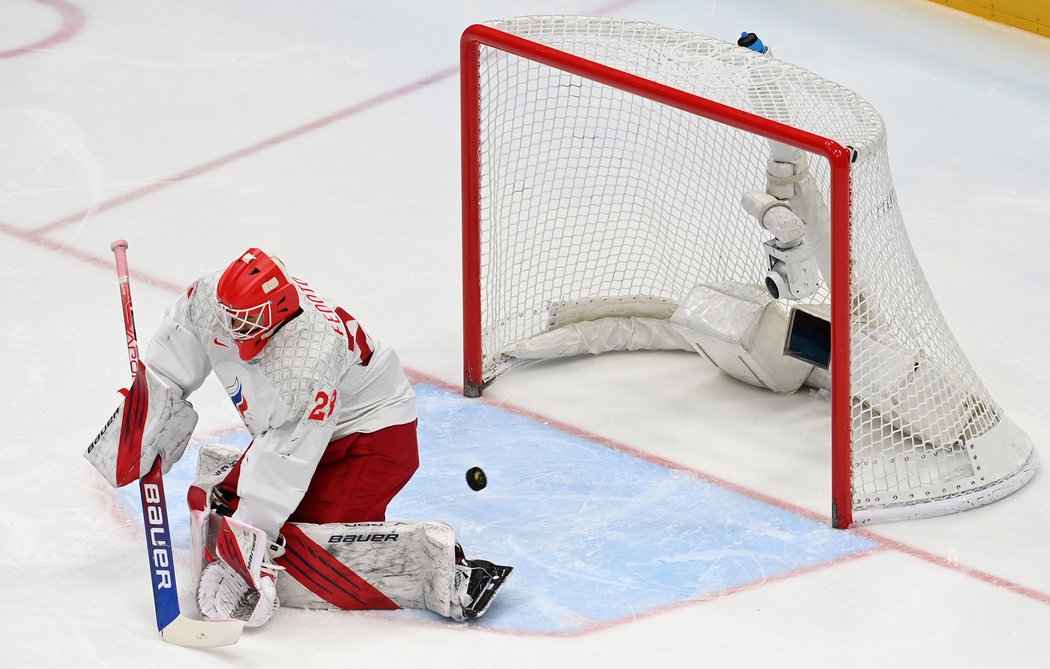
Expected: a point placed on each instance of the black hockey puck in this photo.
(476, 478)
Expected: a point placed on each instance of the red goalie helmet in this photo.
(255, 297)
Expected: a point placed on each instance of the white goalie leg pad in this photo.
(200, 552)
(152, 420)
(214, 461)
(213, 464)
(412, 564)
(741, 330)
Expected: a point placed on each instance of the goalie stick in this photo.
(173, 626)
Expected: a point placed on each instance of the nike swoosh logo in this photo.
(219, 343)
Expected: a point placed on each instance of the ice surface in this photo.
(328, 132)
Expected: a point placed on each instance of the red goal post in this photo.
(517, 38)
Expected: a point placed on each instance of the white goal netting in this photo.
(598, 201)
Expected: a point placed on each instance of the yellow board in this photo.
(1030, 15)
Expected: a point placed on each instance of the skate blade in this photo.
(490, 594)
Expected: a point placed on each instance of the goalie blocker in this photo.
(335, 566)
(151, 421)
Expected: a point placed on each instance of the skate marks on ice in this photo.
(596, 535)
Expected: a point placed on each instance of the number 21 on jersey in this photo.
(325, 406)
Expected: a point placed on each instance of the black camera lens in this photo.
(771, 286)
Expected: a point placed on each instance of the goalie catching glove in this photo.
(239, 584)
(152, 421)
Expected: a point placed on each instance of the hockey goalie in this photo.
(300, 517)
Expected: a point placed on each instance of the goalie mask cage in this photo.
(603, 165)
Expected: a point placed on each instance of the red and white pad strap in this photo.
(243, 548)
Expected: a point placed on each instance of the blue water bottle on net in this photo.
(751, 41)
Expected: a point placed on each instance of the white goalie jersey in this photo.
(319, 377)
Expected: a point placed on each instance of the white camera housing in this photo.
(793, 272)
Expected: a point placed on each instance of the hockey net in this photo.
(604, 162)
